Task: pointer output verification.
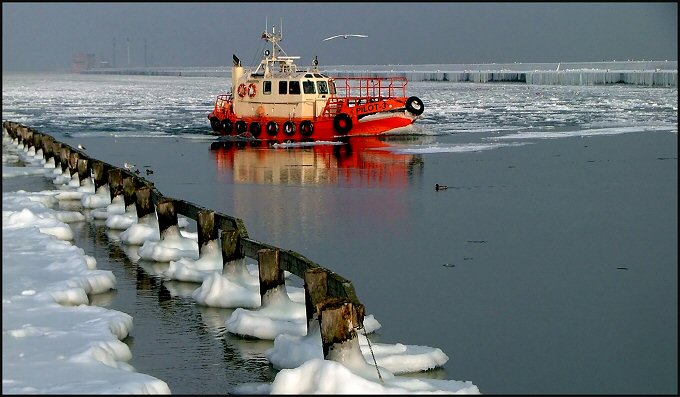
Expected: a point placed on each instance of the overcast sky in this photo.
(44, 36)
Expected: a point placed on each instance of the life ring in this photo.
(342, 123)
(289, 128)
(226, 125)
(306, 128)
(241, 127)
(255, 128)
(242, 90)
(252, 90)
(272, 128)
(415, 105)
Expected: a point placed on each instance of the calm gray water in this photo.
(549, 265)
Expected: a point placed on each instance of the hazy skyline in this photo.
(45, 36)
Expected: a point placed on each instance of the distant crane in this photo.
(344, 36)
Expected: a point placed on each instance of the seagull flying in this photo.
(344, 36)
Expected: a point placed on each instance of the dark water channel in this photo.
(173, 339)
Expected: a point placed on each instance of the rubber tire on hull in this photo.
(255, 128)
(272, 128)
(415, 105)
(289, 128)
(215, 124)
(306, 128)
(241, 127)
(342, 123)
(227, 126)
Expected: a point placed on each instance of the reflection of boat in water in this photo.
(354, 162)
(278, 102)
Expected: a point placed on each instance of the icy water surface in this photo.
(548, 265)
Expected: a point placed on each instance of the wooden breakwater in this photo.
(330, 299)
(639, 73)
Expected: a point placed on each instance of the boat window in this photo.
(283, 87)
(322, 87)
(331, 86)
(308, 75)
(308, 87)
(294, 87)
(267, 87)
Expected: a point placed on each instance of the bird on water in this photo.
(344, 36)
(440, 187)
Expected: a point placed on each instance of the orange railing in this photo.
(371, 87)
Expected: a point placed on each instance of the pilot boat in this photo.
(279, 102)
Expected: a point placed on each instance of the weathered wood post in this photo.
(47, 145)
(207, 233)
(316, 291)
(99, 174)
(129, 194)
(338, 320)
(337, 328)
(28, 138)
(73, 164)
(56, 152)
(65, 155)
(83, 170)
(37, 143)
(167, 218)
(271, 273)
(144, 204)
(115, 183)
(24, 137)
(233, 257)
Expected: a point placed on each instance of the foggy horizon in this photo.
(46, 36)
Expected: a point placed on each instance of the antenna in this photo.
(281, 30)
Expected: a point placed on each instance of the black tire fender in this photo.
(415, 105)
(227, 126)
(289, 128)
(306, 128)
(255, 128)
(342, 123)
(241, 127)
(215, 124)
(272, 128)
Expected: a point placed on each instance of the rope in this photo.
(372, 355)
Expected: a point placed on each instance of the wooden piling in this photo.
(231, 246)
(73, 163)
(206, 229)
(233, 257)
(65, 154)
(83, 169)
(99, 174)
(115, 183)
(271, 273)
(143, 202)
(316, 290)
(47, 147)
(37, 142)
(336, 322)
(129, 192)
(26, 137)
(167, 218)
